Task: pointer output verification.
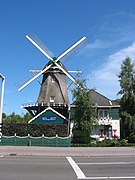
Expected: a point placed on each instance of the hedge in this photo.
(34, 130)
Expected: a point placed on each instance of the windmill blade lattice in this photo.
(83, 42)
(21, 82)
(35, 77)
(34, 39)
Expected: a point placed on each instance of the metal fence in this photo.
(35, 141)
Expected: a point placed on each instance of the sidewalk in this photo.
(67, 151)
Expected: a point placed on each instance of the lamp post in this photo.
(1, 101)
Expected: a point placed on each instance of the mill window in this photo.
(53, 79)
(52, 98)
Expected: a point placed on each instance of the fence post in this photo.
(69, 140)
(15, 139)
(29, 140)
(43, 139)
(56, 139)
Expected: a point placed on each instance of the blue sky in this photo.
(109, 26)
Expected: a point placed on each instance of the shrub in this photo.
(124, 142)
(34, 130)
(81, 137)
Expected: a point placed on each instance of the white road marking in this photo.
(133, 177)
(81, 175)
(96, 178)
(104, 163)
(78, 171)
(128, 177)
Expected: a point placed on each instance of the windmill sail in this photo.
(73, 50)
(53, 90)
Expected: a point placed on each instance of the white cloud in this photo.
(97, 44)
(110, 37)
(111, 31)
(105, 79)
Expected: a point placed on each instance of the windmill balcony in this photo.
(44, 104)
(105, 121)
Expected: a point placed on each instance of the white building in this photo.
(108, 123)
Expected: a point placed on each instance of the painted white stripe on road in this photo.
(78, 171)
(133, 177)
(95, 178)
(127, 177)
(104, 163)
(81, 175)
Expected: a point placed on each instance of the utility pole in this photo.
(1, 101)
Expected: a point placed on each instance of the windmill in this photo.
(53, 91)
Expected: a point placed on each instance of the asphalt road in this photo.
(66, 168)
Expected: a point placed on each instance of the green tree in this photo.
(4, 118)
(4, 115)
(14, 118)
(84, 114)
(126, 77)
(127, 111)
(17, 119)
(26, 117)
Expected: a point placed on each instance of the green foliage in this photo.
(124, 142)
(16, 118)
(34, 130)
(80, 136)
(108, 143)
(3, 115)
(15, 123)
(127, 111)
(26, 117)
(128, 126)
(84, 114)
(117, 101)
(126, 77)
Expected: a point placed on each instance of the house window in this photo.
(52, 98)
(103, 113)
(100, 114)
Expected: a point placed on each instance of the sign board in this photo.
(49, 118)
